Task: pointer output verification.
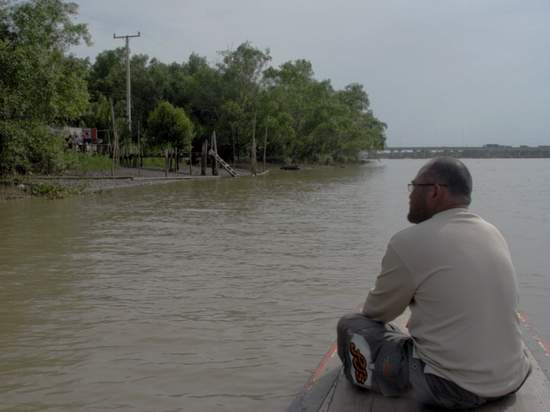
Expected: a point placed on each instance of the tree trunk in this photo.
(238, 147)
(204, 155)
(215, 149)
(115, 140)
(166, 164)
(265, 145)
(139, 157)
(190, 160)
(253, 166)
(233, 143)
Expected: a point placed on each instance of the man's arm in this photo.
(393, 291)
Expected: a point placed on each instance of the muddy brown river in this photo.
(220, 295)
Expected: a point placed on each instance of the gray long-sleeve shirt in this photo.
(455, 273)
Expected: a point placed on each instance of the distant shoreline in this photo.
(484, 152)
(71, 184)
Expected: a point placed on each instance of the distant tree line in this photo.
(291, 115)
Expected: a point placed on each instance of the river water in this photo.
(220, 294)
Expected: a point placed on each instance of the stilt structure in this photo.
(223, 164)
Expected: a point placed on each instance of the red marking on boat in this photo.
(545, 346)
(534, 334)
(320, 369)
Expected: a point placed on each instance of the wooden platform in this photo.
(329, 391)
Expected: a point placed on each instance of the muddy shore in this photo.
(99, 181)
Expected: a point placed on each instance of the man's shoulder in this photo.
(407, 236)
(429, 229)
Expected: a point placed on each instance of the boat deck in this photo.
(329, 391)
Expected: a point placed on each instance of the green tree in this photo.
(38, 80)
(302, 117)
(320, 123)
(107, 75)
(202, 92)
(39, 83)
(355, 97)
(169, 126)
(242, 74)
(293, 94)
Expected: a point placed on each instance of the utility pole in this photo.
(128, 84)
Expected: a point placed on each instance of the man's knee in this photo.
(356, 321)
(350, 317)
(360, 342)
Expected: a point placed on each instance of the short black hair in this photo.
(454, 174)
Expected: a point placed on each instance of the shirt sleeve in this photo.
(393, 291)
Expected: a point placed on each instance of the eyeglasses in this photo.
(412, 185)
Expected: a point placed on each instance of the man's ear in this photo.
(443, 194)
(438, 194)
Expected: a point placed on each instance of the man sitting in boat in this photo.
(453, 270)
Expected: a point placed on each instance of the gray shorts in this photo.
(379, 357)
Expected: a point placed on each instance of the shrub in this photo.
(27, 146)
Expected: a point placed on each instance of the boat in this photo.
(327, 390)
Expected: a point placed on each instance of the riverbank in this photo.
(19, 187)
(78, 183)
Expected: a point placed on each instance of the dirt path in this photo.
(100, 181)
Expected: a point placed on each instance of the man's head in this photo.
(442, 183)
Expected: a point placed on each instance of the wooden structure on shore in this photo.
(223, 163)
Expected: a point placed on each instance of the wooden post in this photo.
(253, 166)
(115, 139)
(233, 143)
(190, 159)
(139, 159)
(238, 146)
(166, 165)
(204, 155)
(265, 144)
(214, 147)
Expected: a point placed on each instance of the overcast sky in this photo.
(438, 72)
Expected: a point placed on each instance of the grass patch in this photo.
(23, 185)
(83, 163)
(154, 162)
(48, 190)
(52, 190)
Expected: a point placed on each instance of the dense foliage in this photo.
(300, 118)
(39, 84)
(292, 115)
